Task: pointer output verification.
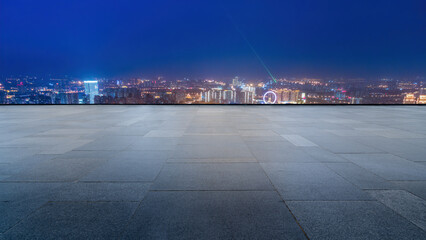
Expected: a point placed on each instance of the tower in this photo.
(91, 88)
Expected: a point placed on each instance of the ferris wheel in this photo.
(270, 97)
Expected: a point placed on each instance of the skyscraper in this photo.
(91, 89)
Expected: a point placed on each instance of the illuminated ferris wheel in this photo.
(270, 97)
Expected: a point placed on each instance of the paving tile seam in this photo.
(351, 201)
(359, 153)
(86, 201)
(83, 181)
(139, 205)
(397, 189)
(386, 180)
(207, 134)
(6, 181)
(76, 150)
(204, 163)
(26, 217)
(282, 199)
(215, 190)
(406, 180)
(414, 224)
(353, 184)
(400, 156)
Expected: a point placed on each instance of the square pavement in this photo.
(212, 172)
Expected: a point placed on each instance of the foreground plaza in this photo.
(212, 172)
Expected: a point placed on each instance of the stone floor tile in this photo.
(100, 191)
(353, 220)
(417, 188)
(212, 176)
(299, 141)
(213, 151)
(213, 215)
(58, 170)
(404, 203)
(12, 212)
(388, 166)
(360, 176)
(311, 181)
(75, 220)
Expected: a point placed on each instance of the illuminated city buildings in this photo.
(410, 98)
(91, 89)
(286, 96)
(418, 97)
(68, 90)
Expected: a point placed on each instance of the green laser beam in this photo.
(250, 46)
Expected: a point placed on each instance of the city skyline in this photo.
(238, 90)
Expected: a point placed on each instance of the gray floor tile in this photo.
(271, 145)
(342, 145)
(58, 170)
(60, 132)
(12, 213)
(164, 133)
(299, 141)
(74, 220)
(16, 167)
(110, 143)
(211, 148)
(257, 133)
(417, 188)
(360, 176)
(100, 191)
(404, 203)
(154, 144)
(11, 154)
(353, 220)
(212, 176)
(396, 133)
(262, 140)
(282, 155)
(12, 191)
(212, 160)
(66, 147)
(213, 215)
(88, 154)
(214, 151)
(311, 181)
(126, 170)
(211, 140)
(322, 155)
(226, 131)
(399, 147)
(388, 166)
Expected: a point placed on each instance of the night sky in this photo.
(178, 38)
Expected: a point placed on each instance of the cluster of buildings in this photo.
(67, 90)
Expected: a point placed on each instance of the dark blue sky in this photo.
(179, 38)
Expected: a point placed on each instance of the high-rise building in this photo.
(229, 96)
(217, 95)
(236, 82)
(288, 96)
(91, 88)
(421, 99)
(410, 98)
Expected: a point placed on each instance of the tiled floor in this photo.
(212, 172)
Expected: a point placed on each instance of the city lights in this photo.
(236, 90)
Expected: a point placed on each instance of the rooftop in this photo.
(212, 172)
